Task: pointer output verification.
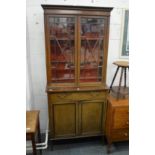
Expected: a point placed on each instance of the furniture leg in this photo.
(33, 144)
(103, 139)
(39, 135)
(114, 77)
(51, 144)
(120, 81)
(124, 77)
(109, 147)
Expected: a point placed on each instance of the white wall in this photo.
(36, 58)
(29, 91)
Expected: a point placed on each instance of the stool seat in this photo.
(120, 91)
(121, 63)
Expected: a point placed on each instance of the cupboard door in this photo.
(64, 120)
(91, 118)
(91, 49)
(62, 48)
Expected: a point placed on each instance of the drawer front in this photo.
(120, 135)
(77, 96)
(121, 117)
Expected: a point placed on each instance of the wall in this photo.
(29, 91)
(36, 50)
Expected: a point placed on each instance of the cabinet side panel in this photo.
(47, 44)
(106, 43)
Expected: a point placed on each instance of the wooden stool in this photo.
(119, 91)
(32, 127)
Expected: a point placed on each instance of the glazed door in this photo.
(91, 52)
(62, 34)
(76, 50)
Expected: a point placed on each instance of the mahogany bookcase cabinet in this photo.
(76, 60)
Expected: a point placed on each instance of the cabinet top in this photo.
(120, 102)
(71, 7)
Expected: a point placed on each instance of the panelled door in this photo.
(91, 117)
(64, 117)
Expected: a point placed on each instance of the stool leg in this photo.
(124, 77)
(120, 81)
(114, 77)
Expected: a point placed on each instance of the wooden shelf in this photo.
(92, 68)
(64, 22)
(67, 69)
(62, 38)
(62, 79)
(61, 69)
(90, 78)
(91, 38)
(60, 61)
(83, 78)
(72, 38)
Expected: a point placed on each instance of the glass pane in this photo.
(62, 31)
(92, 33)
